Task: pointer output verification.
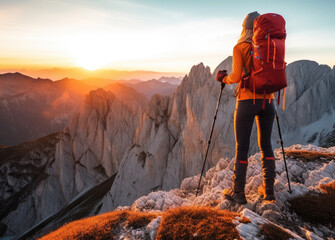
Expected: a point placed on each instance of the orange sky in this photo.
(168, 36)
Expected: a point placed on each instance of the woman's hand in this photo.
(220, 75)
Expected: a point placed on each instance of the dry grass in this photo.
(178, 223)
(100, 227)
(197, 223)
(273, 232)
(309, 155)
(317, 207)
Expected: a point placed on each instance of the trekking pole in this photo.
(210, 137)
(282, 148)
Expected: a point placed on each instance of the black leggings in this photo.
(245, 113)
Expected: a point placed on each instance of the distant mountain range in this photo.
(163, 85)
(81, 73)
(34, 107)
(151, 87)
(31, 108)
(171, 80)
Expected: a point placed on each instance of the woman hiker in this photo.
(248, 107)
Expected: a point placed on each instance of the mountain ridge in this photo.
(162, 144)
(81, 73)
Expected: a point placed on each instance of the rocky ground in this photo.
(307, 177)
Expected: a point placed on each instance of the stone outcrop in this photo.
(29, 189)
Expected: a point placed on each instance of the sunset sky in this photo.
(169, 35)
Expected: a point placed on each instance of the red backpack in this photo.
(268, 74)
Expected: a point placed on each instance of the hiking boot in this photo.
(264, 195)
(269, 175)
(239, 178)
(238, 197)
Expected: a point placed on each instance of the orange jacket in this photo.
(241, 54)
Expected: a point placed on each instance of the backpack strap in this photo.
(268, 53)
(242, 83)
(246, 74)
(263, 106)
(283, 98)
(274, 55)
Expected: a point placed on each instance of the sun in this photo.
(91, 58)
(88, 53)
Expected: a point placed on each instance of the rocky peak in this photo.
(309, 94)
(196, 78)
(13, 75)
(98, 100)
(127, 94)
(19, 78)
(158, 108)
(12, 84)
(193, 82)
(303, 74)
(199, 72)
(95, 141)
